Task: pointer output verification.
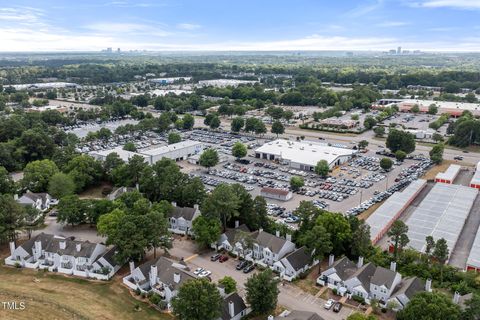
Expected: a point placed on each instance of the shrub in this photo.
(358, 299)
(155, 299)
(384, 310)
(138, 292)
(335, 292)
(18, 265)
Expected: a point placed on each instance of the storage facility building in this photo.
(382, 219)
(277, 194)
(303, 155)
(176, 151)
(475, 182)
(123, 154)
(441, 214)
(449, 175)
(473, 261)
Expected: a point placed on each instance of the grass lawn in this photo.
(53, 296)
(94, 192)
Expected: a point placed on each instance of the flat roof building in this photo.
(449, 175)
(123, 154)
(278, 194)
(473, 260)
(455, 109)
(475, 182)
(303, 155)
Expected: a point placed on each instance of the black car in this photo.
(241, 265)
(337, 307)
(215, 257)
(248, 268)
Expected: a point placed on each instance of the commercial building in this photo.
(455, 109)
(442, 214)
(303, 155)
(449, 175)
(168, 80)
(176, 151)
(475, 182)
(277, 194)
(222, 83)
(382, 219)
(473, 260)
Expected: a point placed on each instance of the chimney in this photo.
(132, 266)
(331, 259)
(38, 249)
(176, 277)
(196, 206)
(63, 244)
(174, 203)
(12, 248)
(153, 275)
(277, 233)
(78, 246)
(137, 186)
(288, 236)
(237, 224)
(260, 230)
(360, 262)
(231, 309)
(456, 297)
(393, 266)
(15, 197)
(124, 189)
(270, 317)
(428, 285)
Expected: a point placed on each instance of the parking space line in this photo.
(190, 258)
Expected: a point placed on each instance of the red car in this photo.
(223, 258)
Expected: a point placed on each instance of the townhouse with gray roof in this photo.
(269, 248)
(181, 219)
(231, 240)
(162, 276)
(296, 315)
(64, 255)
(294, 263)
(370, 282)
(41, 201)
(233, 307)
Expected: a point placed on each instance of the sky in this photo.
(231, 25)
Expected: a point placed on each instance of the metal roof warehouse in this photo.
(303, 155)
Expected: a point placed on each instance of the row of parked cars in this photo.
(367, 163)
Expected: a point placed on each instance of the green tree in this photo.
(437, 137)
(37, 174)
(6, 183)
(339, 229)
(222, 203)
(429, 246)
(379, 131)
(12, 218)
(296, 183)
(322, 168)
(400, 140)
(415, 108)
(436, 154)
(369, 122)
(317, 242)
(61, 185)
(209, 158)
(229, 284)
(361, 245)
(72, 210)
(188, 121)
(237, 124)
(174, 138)
(262, 292)
(472, 310)
(362, 144)
(288, 115)
(278, 128)
(398, 234)
(130, 146)
(197, 299)
(112, 161)
(400, 155)
(206, 230)
(432, 109)
(239, 150)
(85, 171)
(429, 306)
(386, 164)
(215, 122)
(360, 316)
(441, 253)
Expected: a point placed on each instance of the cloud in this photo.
(456, 4)
(188, 26)
(127, 29)
(392, 24)
(365, 9)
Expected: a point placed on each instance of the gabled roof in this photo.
(383, 276)
(409, 287)
(35, 196)
(86, 248)
(166, 269)
(44, 238)
(301, 315)
(365, 274)
(298, 259)
(267, 240)
(344, 268)
(183, 212)
(238, 305)
(109, 256)
(232, 233)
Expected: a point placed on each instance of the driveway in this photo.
(290, 296)
(82, 232)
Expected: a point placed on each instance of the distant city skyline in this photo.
(188, 25)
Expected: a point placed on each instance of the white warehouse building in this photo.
(303, 155)
(176, 151)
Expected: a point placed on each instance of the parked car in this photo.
(249, 268)
(337, 307)
(241, 265)
(329, 304)
(215, 257)
(204, 274)
(198, 271)
(223, 258)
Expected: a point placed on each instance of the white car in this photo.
(329, 304)
(198, 271)
(205, 273)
